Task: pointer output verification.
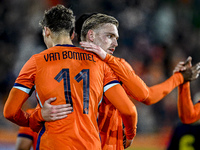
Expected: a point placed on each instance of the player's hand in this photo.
(189, 73)
(88, 46)
(182, 66)
(126, 142)
(55, 112)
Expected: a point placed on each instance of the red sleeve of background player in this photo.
(188, 112)
(26, 131)
(136, 86)
(36, 120)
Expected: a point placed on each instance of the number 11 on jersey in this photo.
(82, 75)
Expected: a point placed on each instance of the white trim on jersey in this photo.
(26, 90)
(100, 101)
(38, 98)
(109, 86)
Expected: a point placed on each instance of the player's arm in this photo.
(48, 113)
(156, 92)
(12, 108)
(118, 97)
(159, 91)
(136, 87)
(20, 93)
(14, 113)
(188, 112)
(134, 84)
(185, 74)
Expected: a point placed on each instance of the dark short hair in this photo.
(59, 18)
(95, 21)
(79, 24)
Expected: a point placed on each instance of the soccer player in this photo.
(96, 33)
(73, 76)
(186, 135)
(188, 112)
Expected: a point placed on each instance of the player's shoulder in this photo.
(125, 63)
(122, 60)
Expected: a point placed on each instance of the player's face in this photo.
(106, 37)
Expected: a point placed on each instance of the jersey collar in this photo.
(66, 45)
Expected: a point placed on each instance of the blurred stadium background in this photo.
(154, 36)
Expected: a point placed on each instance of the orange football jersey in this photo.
(73, 76)
(110, 122)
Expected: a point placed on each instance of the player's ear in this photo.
(73, 35)
(47, 31)
(90, 35)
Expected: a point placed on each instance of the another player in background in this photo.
(186, 135)
(96, 33)
(188, 112)
(73, 76)
(111, 138)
